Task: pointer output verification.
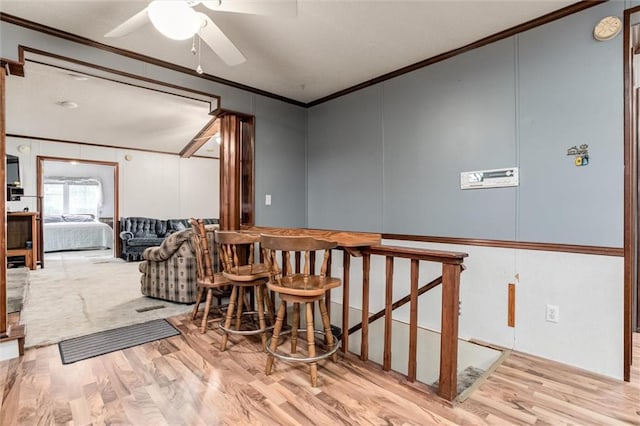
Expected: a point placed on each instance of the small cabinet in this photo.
(23, 237)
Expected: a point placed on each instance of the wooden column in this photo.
(447, 387)
(230, 209)
(237, 204)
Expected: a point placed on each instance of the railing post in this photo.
(388, 314)
(447, 387)
(413, 322)
(327, 300)
(364, 343)
(346, 266)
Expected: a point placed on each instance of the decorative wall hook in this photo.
(581, 154)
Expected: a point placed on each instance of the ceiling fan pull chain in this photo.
(193, 45)
(199, 68)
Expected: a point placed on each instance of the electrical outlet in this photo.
(553, 313)
(267, 200)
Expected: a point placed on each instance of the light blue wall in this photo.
(280, 170)
(522, 101)
(345, 163)
(571, 93)
(441, 120)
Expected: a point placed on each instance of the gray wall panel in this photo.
(345, 163)
(280, 169)
(450, 117)
(522, 101)
(571, 93)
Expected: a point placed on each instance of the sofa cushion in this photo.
(142, 227)
(175, 225)
(146, 241)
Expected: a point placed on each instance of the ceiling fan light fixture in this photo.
(174, 19)
(211, 4)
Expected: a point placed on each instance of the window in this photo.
(72, 196)
(53, 202)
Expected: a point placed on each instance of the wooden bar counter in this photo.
(345, 239)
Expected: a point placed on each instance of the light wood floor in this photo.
(185, 380)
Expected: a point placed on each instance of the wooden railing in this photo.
(450, 281)
(360, 244)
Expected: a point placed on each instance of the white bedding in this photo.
(77, 236)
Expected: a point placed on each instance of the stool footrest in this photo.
(245, 332)
(287, 357)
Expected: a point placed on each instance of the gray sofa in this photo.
(139, 233)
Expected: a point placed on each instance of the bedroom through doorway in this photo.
(79, 205)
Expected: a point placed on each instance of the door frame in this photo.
(631, 231)
(3, 217)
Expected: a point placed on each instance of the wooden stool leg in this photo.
(239, 308)
(229, 317)
(327, 328)
(311, 344)
(294, 328)
(261, 320)
(269, 302)
(194, 314)
(207, 307)
(276, 335)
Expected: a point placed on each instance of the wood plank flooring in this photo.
(186, 380)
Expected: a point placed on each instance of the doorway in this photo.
(79, 204)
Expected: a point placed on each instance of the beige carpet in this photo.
(79, 293)
(17, 284)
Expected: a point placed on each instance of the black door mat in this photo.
(103, 342)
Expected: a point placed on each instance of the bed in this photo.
(76, 232)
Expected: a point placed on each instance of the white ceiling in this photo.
(111, 113)
(329, 46)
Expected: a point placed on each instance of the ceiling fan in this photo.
(178, 20)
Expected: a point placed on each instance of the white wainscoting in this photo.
(588, 289)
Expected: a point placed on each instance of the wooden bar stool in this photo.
(301, 289)
(233, 248)
(206, 280)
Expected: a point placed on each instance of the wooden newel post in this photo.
(447, 387)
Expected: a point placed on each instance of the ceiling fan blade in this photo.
(281, 8)
(130, 25)
(220, 43)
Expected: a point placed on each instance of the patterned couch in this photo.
(139, 233)
(169, 270)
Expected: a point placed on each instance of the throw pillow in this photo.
(179, 226)
(53, 219)
(78, 217)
